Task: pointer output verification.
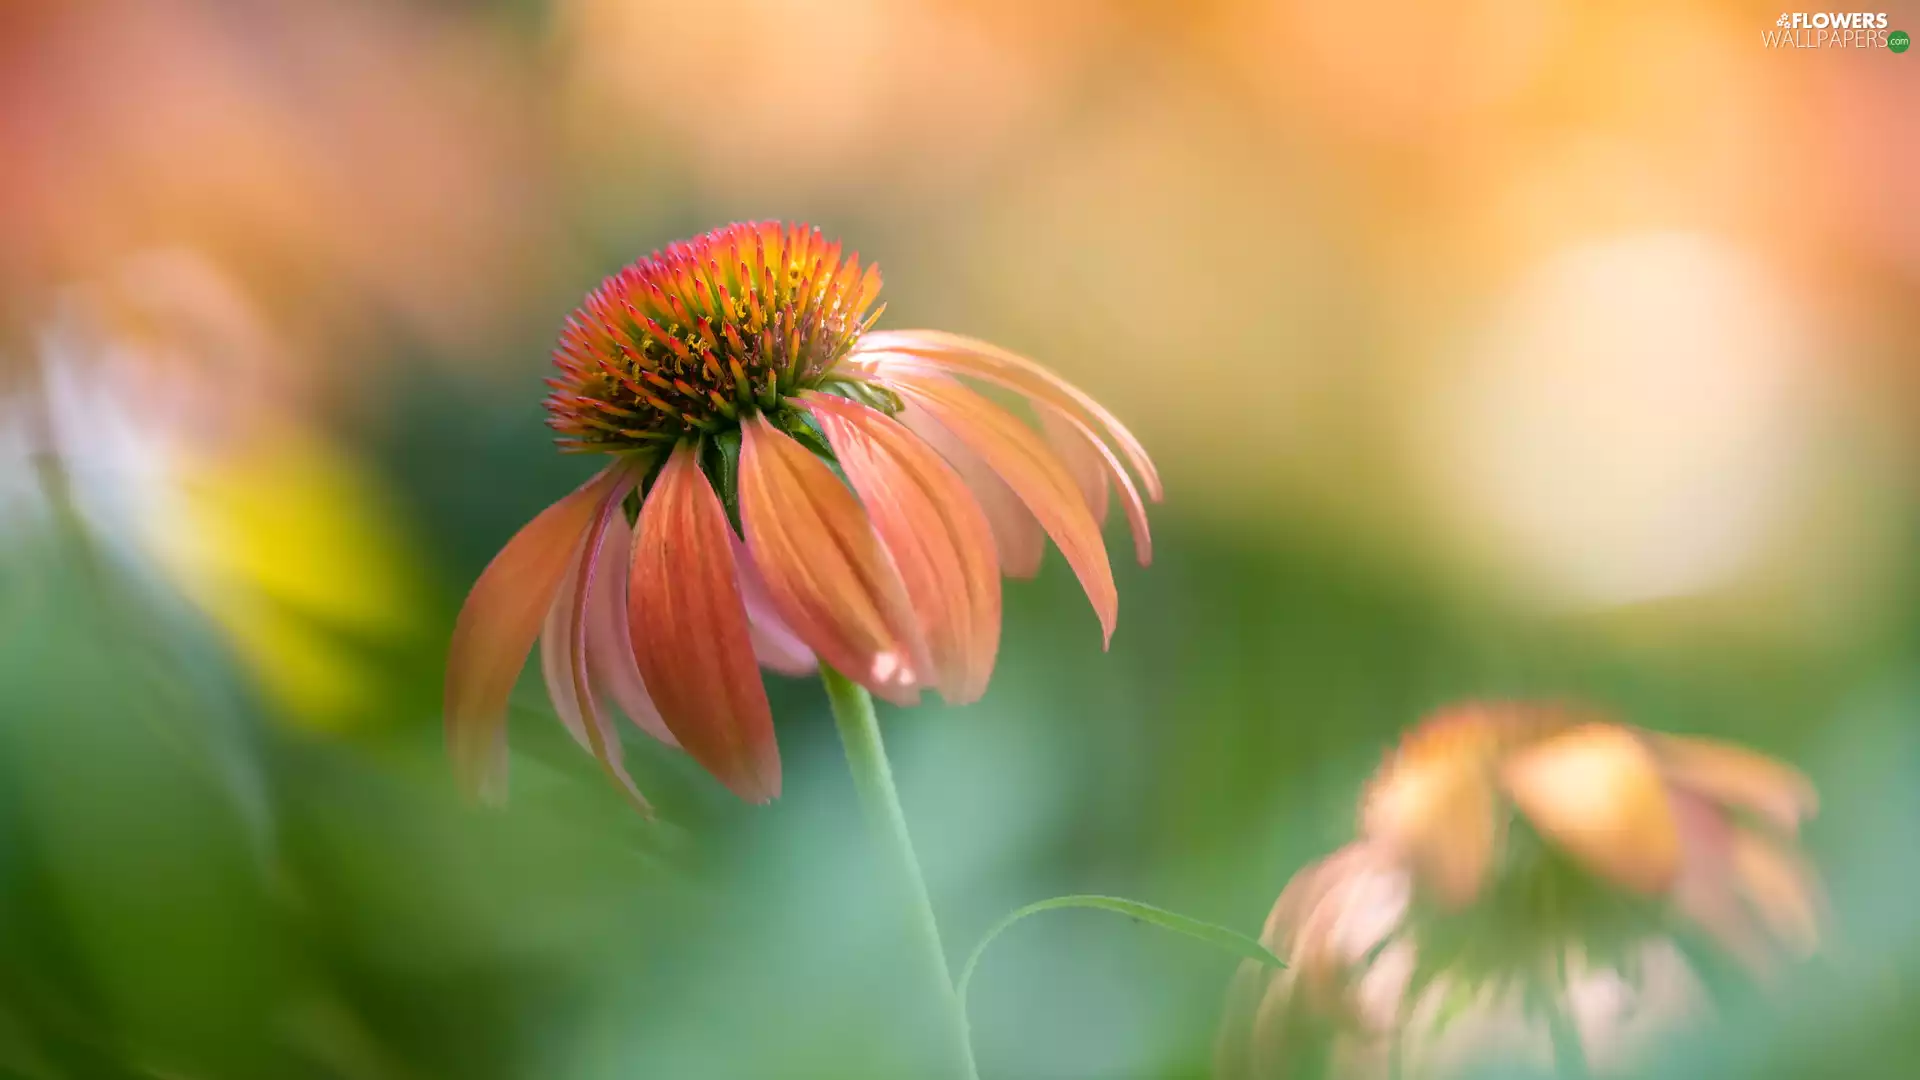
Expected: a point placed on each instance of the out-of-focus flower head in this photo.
(1531, 880)
(786, 483)
(158, 415)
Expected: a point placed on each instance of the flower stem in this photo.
(873, 779)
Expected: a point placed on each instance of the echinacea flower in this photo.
(787, 484)
(1531, 882)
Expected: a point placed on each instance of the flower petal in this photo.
(1594, 791)
(610, 637)
(1782, 889)
(826, 570)
(938, 351)
(690, 632)
(609, 645)
(1091, 464)
(497, 627)
(1022, 459)
(937, 534)
(1438, 813)
(1076, 451)
(1017, 537)
(775, 644)
(1738, 777)
(602, 740)
(1708, 890)
(556, 655)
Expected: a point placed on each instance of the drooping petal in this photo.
(775, 644)
(1337, 919)
(1081, 459)
(1707, 890)
(1349, 903)
(690, 632)
(1232, 1046)
(610, 638)
(1438, 813)
(1594, 792)
(609, 644)
(1018, 539)
(826, 570)
(602, 740)
(1091, 464)
(937, 534)
(1738, 777)
(556, 654)
(1782, 889)
(497, 627)
(939, 351)
(1022, 459)
(1751, 892)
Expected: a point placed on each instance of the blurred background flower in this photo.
(1531, 882)
(160, 426)
(1552, 351)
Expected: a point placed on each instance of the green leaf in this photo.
(1218, 936)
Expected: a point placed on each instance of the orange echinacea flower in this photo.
(787, 483)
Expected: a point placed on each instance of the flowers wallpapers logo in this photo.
(1831, 29)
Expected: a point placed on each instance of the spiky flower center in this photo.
(688, 339)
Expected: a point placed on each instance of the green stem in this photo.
(873, 778)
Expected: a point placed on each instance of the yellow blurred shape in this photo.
(287, 549)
